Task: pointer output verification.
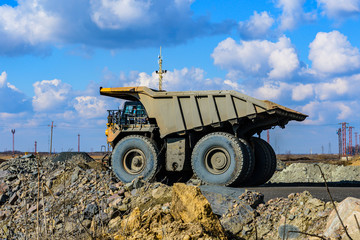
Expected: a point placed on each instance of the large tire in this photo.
(265, 162)
(250, 164)
(218, 158)
(134, 156)
(272, 158)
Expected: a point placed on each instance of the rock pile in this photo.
(54, 200)
(310, 173)
(78, 198)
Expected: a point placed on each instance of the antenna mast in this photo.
(160, 72)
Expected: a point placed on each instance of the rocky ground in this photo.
(310, 173)
(73, 197)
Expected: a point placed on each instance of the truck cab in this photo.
(133, 112)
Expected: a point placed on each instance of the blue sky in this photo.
(54, 56)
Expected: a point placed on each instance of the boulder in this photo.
(221, 199)
(347, 209)
(190, 206)
(133, 222)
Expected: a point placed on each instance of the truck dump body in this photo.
(176, 112)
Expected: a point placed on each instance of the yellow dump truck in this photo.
(172, 135)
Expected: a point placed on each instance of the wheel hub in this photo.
(217, 160)
(134, 161)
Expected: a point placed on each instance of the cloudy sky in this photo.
(54, 56)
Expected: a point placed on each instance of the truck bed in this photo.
(176, 112)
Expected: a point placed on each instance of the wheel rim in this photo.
(134, 161)
(217, 160)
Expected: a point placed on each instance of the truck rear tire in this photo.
(272, 160)
(265, 162)
(218, 158)
(250, 164)
(134, 156)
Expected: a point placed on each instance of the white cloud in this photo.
(332, 89)
(257, 58)
(177, 80)
(33, 26)
(11, 116)
(293, 13)
(283, 63)
(10, 94)
(258, 26)
(120, 14)
(332, 53)
(272, 90)
(235, 86)
(50, 94)
(340, 9)
(90, 107)
(345, 111)
(302, 92)
(27, 24)
(3, 77)
(67, 115)
(321, 112)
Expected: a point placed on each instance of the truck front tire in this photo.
(134, 156)
(218, 158)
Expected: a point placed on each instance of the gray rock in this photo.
(221, 198)
(123, 208)
(135, 184)
(252, 198)
(13, 199)
(289, 231)
(3, 198)
(75, 175)
(90, 211)
(3, 173)
(236, 218)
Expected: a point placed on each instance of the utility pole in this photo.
(79, 142)
(338, 132)
(35, 148)
(356, 143)
(350, 141)
(268, 136)
(160, 72)
(51, 136)
(13, 133)
(343, 133)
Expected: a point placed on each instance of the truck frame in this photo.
(168, 136)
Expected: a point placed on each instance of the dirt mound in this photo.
(310, 173)
(67, 156)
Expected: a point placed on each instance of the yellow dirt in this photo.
(6, 157)
(355, 163)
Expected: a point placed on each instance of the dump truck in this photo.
(169, 136)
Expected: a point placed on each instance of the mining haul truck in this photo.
(169, 136)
